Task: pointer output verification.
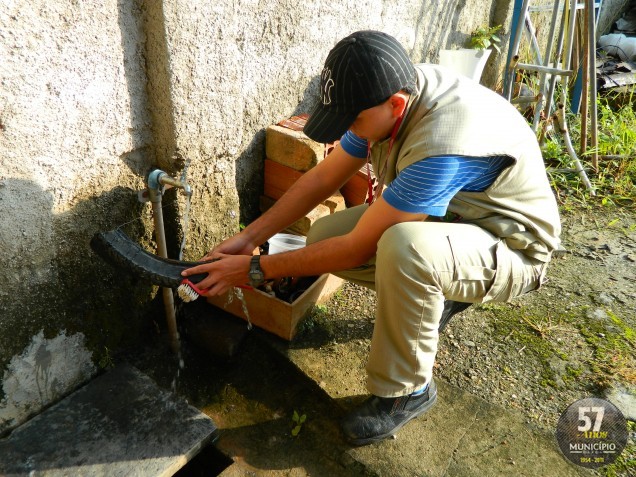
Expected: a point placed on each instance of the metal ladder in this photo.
(555, 64)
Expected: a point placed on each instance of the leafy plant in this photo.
(298, 422)
(615, 179)
(484, 37)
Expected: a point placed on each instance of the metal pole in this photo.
(560, 117)
(514, 50)
(548, 54)
(591, 61)
(162, 251)
(584, 89)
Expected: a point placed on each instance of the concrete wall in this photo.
(75, 141)
(93, 94)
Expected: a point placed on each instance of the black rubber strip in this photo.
(116, 248)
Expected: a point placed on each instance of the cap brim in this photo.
(325, 125)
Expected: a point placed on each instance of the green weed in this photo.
(542, 326)
(318, 320)
(614, 181)
(298, 422)
(106, 360)
(614, 346)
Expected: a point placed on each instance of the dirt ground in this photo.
(571, 339)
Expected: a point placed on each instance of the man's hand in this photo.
(227, 272)
(236, 245)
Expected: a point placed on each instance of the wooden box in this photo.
(274, 315)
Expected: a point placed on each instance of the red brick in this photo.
(292, 148)
(278, 178)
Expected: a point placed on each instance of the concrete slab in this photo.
(463, 435)
(120, 423)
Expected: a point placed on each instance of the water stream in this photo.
(239, 294)
(180, 366)
(184, 227)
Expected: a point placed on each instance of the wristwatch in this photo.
(256, 274)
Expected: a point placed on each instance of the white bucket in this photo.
(465, 61)
(285, 242)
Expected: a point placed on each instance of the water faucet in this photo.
(158, 178)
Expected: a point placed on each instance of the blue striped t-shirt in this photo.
(427, 186)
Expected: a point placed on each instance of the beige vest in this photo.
(455, 115)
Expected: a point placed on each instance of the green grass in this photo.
(626, 463)
(614, 347)
(614, 181)
(528, 329)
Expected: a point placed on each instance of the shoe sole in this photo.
(370, 440)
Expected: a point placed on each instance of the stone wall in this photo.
(94, 94)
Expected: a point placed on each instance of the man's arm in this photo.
(340, 252)
(336, 253)
(312, 188)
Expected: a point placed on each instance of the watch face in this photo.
(256, 274)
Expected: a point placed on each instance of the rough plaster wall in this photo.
(73, 138)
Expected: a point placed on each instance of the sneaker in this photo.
(451, 308)
(378, 418)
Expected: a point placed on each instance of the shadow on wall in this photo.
(73, 298)
(146, 70)
(445, 15)
(62, 308)
(250, 184)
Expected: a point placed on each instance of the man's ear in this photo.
(399, 101)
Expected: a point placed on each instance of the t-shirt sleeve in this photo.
(354, 145)
(427, 186)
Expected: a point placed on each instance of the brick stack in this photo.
(289, 154)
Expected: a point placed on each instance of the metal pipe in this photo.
(548, 89)
(156, 179)
(544, 69)
(584, 89)
(560, 117)
(168, 297)
(591, 63)
(514, 50)
(165, 179)
(553, 78)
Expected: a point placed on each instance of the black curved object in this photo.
(451, 308)
(119, 250)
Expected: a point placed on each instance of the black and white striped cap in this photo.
(362, 71)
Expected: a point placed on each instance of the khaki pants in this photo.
(418, 265)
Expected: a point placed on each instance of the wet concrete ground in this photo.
(251, 397)
(251, 385)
